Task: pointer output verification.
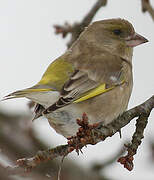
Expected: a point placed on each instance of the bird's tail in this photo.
(23, 93)
(16, 94)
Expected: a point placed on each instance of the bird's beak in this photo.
(135, 40)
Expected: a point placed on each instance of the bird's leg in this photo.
(120, 133)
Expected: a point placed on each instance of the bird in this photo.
(94, 76)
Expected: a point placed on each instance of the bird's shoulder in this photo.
(57, 73)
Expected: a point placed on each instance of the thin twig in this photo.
(127, 160)
(146, 6)
(77, 28)
(90, 15)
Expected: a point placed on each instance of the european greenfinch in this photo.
(93, 76)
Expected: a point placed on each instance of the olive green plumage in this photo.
(94, 76)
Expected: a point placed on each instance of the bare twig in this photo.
(77, 28)
(146, 6)
(127, 160)
(97, 134)
(90, 15)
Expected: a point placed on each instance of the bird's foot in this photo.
(84, 136)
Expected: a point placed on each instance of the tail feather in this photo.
(16, 94)
(24, 93)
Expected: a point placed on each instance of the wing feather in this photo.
(90, 80)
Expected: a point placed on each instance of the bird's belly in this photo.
(64, 120)
(103, 108)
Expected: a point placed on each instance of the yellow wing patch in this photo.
(95, 92)
(57, 74)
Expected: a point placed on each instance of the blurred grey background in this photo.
(28, 45)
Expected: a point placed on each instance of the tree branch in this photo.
(77, 28)
(96, 133)
(146, 6)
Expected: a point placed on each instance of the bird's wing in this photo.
(53, 79)
(89, 82)
(57, 74)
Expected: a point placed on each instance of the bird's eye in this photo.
(117, 31)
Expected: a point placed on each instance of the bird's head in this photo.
(114, 35)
